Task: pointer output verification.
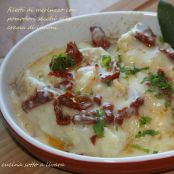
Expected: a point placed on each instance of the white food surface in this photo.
(117, 140)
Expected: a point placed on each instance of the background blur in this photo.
(15, 23)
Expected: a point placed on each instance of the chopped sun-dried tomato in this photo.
(63, 74)
(97, 99)
(161, 72)
(93, 139)
(121, 115)
(84, 118)
(61, 119)
(91, 117)
(40, 97)
(145, 35)
(146, 40)
(108, 106)
(67, 84)
(109, 116)
(73, 51)
(136, 104)
(75, 102)
(99, 38)
(110, 77)
(168, 52)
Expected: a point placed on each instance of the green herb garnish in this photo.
(78, 92)
(158, 81)
(166, 21)
(106, 61)
(137, 146)
(99, 128)
(132, 70)
(172, 112)
(70, 61)
(119, 60)
(91, 93)
(40, 76)
(100, 113)
(109, 83)
(159, 85)
(155, 152)
(158, 96)
(145, 120)
(150, 132)
(61, 62)
(161, 39)
(167, 103)
(129, 70)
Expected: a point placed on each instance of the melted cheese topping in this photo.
(118, 140)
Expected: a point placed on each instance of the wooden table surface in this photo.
(10, 150)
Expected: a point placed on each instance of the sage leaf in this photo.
(166, 21)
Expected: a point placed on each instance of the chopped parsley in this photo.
(137, 146)
(40, 76)
(91, 93)
(99, 128)
(150, 132)
(106, 61)
(160, 86)
(161, 39)
(100, 124)
(167, 103)
(158, 81)
(145, 120)
(109, 83)
(119, 60)
(61, 62)
(155, 152)
(132, 70)
(100, 113)
(172, 112)
(78, 92)
(70, 61)
(129, 70)
(81, 92)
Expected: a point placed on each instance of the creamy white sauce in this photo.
(40, 122)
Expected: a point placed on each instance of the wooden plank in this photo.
(126, 5)
(143, 5)
(89, 6)
(10, 37)
(12, 152)
(151, 6)
(146, 5)
(1, 60)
